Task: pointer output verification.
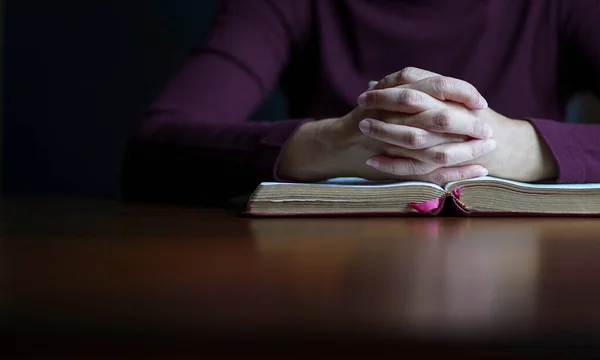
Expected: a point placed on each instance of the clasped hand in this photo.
(421, 126)
(433, 128)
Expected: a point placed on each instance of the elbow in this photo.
(148, 169)
(138, 176)
(160, 166)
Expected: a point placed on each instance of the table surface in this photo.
(82, 271)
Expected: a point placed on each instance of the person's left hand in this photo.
(520, 153)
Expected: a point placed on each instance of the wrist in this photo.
(308, 155)
(529, 158)
(544, 165)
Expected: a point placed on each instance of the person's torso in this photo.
(508, 49)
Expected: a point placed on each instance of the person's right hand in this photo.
(338, 148)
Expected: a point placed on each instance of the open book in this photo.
(479, 196)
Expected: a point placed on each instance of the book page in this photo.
(359, 182)
(526, 185)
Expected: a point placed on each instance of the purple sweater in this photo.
(526, 57)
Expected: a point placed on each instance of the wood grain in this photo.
(83, 272)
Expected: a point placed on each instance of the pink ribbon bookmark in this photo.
(433, 204)
(426, 206)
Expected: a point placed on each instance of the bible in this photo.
(484, 196)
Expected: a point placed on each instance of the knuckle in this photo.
(442, 85)
(418, 168)
(442, 157)
(415, 139)
(442, 120)
(441, 177)
(408, 97)
(406, 74)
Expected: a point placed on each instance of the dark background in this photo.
(77, 73)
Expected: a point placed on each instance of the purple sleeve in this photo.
(576, 147)
(194, 142)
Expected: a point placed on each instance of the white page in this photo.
(531, 186)
(359, 182)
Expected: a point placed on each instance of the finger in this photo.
(443, 176)
(399, 99)
(400, 166)
(445, 155)
(446, 121)
(404, 136)
(445, 87)
(448, 88)
(405, 76)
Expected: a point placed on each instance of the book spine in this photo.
(456, 197)
(434, 205)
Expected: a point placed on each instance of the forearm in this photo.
(176, 159)
(575, 148)
(311, 154)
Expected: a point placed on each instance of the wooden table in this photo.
(84, 276)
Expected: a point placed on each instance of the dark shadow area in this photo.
(78, 74)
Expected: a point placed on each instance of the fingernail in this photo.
(479, 104)
(362, 99)
(483, 102)
(365, 126)
(482, 172)
(488, 132)
(491, 144)
(373, 163)
(372, 84)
